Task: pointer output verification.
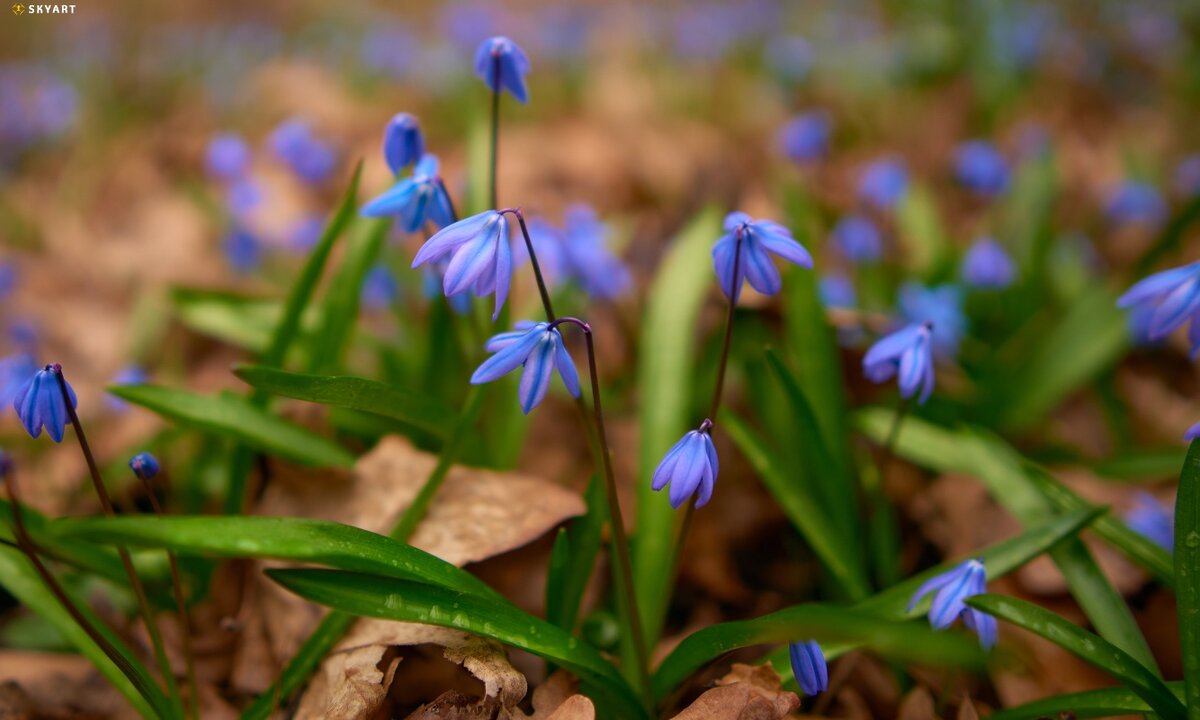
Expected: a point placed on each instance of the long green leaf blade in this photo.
(299, 539)
(340, 308)
(354, 393)
(239, 419)
(903, 641)
(1084, 705)
(1089, 647)
(665, 371)
(392, 599)
(1187, 574)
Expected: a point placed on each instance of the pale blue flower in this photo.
(690, 468)
(39, 403)
(227, 157)
(980, 167)
(1135, 203)
(805, 138)
(1151, 519)
(988, 266)
(480, 256)
(757, 239)
(836, 290)
(416, 199)
(310, 158)
(940, 305)
(953, 588)
(502, 65)
(600, 273)
(379, 288)
(808, 667)
(540, 349)
(908, 355)
(403, 143)
(858, 239)
(883, 183)
(1165, 301)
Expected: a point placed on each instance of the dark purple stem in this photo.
(537, 269)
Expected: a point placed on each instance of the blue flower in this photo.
(1192, 433)
(806, 137)
(8, 279)
(308, 156)
(227, 157)
(858, 239)
(836, 290)
(940, 305)
(1187, 176)
(242, 250)
(39, 403)
(906, 353)
(304, 234)
(690, 468)
(600, 273)
(431, 287)
(128, 375)
(1151, 519)
(243, 195)
(758, 237)
(808, 666)
(1135, 203)
(980, 167)
(415, 199)
(15, 370)
(987, 265)
(502, 66)
(403, 143)
(540, 349)
(1165, 301)
(144, 465)
(883, 183)
(379, 288)
(480, 256)
(953, 587)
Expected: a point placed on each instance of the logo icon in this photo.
(18, 9)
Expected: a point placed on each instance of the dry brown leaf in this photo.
(917, 705)
(57, 685)
(966, 710)
(748, 692)
(555, 699)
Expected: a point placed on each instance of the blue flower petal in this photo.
(1175, 308)
(937, 582)
(809, 667)
(1157, 284)
(984, 626)
(566, 366)
(666, 467)
(508, 359)
(761, 273)
(452, 236)
(535, 380)
(778, 240)
(723, 254)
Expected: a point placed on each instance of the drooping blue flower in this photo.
(988, 266)
(690, 467)
(39, 403)
(227, 157)
(601, 274)
(309, 157)
(858, 239)
(144, 465)
(906, 353)
(243, 195)
(480, 256)
(431, 287)
(940, 305)
(1165, 301)
(980, 167)
(1135, 203)
(1151, 519)
(15, 371)
(808, 666)
(379, 288)
(805, 138)
(836, 290)
(242, 250)
(1187, 176)
(1192, 433)
(128, 375)
(883, 183)
(540, 349)
(502, 65)
(403, 143)
(758, 238)
(416, 199)
(953, 588)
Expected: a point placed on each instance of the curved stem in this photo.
(537, 269)
(135, 583)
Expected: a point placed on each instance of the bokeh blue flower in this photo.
(988, 266)
(940, 305)
(906, 354)
(757, 239)
(503, 65)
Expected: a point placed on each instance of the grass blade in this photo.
(240, 419)
(1187, 574)
(1085, 645)
(665, 371)
(798, 503)
(827, 624)
(339, 312)
(573, 559)
(1083, 705)
(18, 577)
(240, 321)
(281, 538)
(354, 393)
(392, 599)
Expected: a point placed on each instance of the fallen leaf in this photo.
(748, 692)
(917, 705)
(967, 711)
(46, 685)
(555, 699)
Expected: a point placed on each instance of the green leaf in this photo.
(573, 559)
(392, 599)
(920, 229)
(665, 372)
(19, 578)
(282, 538)
(354, 393)
(826, 624)
(1088, 339)
(240, 321)
(973, 452)
(1089, 647)
(298, 298)
(1083, 705)
(339, 311)
(1187, 573)
(240, 419)
(100, 561)
(798, 503)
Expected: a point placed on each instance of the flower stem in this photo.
(537, 269)
(27, 546)
(623, 574)
(185, 628)
(135, 583)
(495, 131)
